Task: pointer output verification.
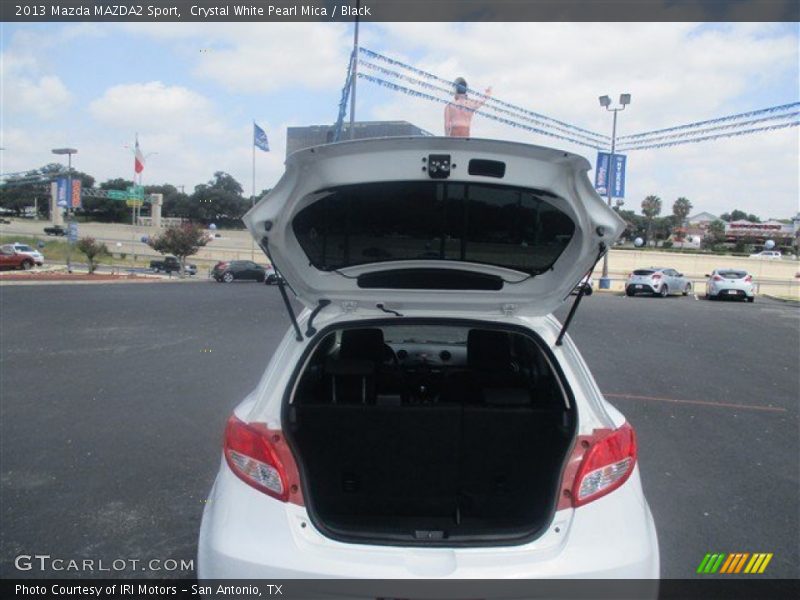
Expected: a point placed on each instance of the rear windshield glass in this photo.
(411, 220)
(732, 274)
(23, 248)
(643, 272)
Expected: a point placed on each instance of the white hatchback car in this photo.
(425, 416)
(730, 283)
(37, 256)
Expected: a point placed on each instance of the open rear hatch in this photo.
(434, 223)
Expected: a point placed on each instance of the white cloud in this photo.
(156, 107)
(27, 90)
(260, 57)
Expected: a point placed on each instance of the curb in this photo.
(779, 299)
(9, 283)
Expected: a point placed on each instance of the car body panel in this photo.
(561, 176)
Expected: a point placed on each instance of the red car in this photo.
(11, 259)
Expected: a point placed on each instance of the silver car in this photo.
(730, 283)
(657, 281)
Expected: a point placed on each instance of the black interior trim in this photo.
(430, 279)
(487, 168)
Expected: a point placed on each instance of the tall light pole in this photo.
(69, 152)
(354, 75)
(605, 102)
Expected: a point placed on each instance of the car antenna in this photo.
(581, 292)
(282, 287)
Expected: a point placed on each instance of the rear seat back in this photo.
(345, 450)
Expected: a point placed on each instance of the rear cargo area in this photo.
(424, 435)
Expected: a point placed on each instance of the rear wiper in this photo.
(581, 292)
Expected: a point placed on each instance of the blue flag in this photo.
(260, 138)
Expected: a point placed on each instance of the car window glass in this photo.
(643, 272)
(732, 274)
(410, 220)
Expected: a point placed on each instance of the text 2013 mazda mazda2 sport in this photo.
(420, 420)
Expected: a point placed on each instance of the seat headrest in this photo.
(365, 344)
(488, 349)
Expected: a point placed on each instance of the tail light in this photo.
(260, 457)
(717, 278)
(606, 465)
(749, 279)
(656, 276)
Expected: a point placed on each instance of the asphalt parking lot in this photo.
(114, 399)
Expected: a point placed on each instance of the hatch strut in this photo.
(581, 292)
(282, 287)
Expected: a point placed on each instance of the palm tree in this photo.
(651, 208)
(681, 210)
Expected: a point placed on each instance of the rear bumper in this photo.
(641, 288)
(245, 534)
(731, 292)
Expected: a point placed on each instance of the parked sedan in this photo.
(33, 253)
(228, 272)
(657, 281)
(730, 283)
(768, 255)
(12, 259)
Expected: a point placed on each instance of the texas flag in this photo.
(138, 159)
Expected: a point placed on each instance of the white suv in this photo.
(425, 416)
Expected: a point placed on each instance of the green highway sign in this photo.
(118, 194)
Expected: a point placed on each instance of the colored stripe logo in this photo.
(736, 562)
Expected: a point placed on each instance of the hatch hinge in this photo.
(581, 291)
(349, 306)
(508, 309)
(264, 243)
(310, 330)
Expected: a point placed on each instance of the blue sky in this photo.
(192, 91)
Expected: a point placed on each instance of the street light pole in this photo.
(605, 102)
(354, 75)
(69, 152)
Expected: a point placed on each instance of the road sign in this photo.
(117, 194)
(134, 202)
(613, 166)
(72, 232)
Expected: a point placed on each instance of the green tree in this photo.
(715, 234)
(680, 210)
(25, 190)
(651, 208)
(181, 241)
(220, 201)
(739, 215)
(93, 250)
